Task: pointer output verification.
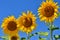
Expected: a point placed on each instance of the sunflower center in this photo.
(49, 11)
(14, 38)
(12, 26)
(27, 22)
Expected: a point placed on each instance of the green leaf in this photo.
(4, 37)
(43, 33)
(31, 35)
(57, 36)
(36, 33)
(23, 38)
(54, 28)
(42, 39)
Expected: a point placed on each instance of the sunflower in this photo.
(10, 25)
(48, 11)
(27, 22)
(14, 37)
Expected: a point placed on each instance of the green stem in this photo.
(51, 34)
(28, 37)
(51, 38)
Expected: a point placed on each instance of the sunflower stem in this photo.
(51, 34)
(51, 38)
(28, 37)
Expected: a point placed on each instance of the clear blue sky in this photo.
(16, 7)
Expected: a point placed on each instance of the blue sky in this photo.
(16, 7)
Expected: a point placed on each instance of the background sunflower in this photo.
(48, 11)
(10, 26)
(14, 37)
(27, 22)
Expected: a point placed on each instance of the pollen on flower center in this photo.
(12, 26)
(27, 22)
(49, 11)
(13, 38)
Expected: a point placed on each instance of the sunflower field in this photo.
(29, 19)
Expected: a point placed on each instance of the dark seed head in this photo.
(27, 22)
(12, 26)
(48, 11)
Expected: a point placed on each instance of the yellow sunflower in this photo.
(14, 37)
(48, 11)
(27, 22)
(10, 25)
